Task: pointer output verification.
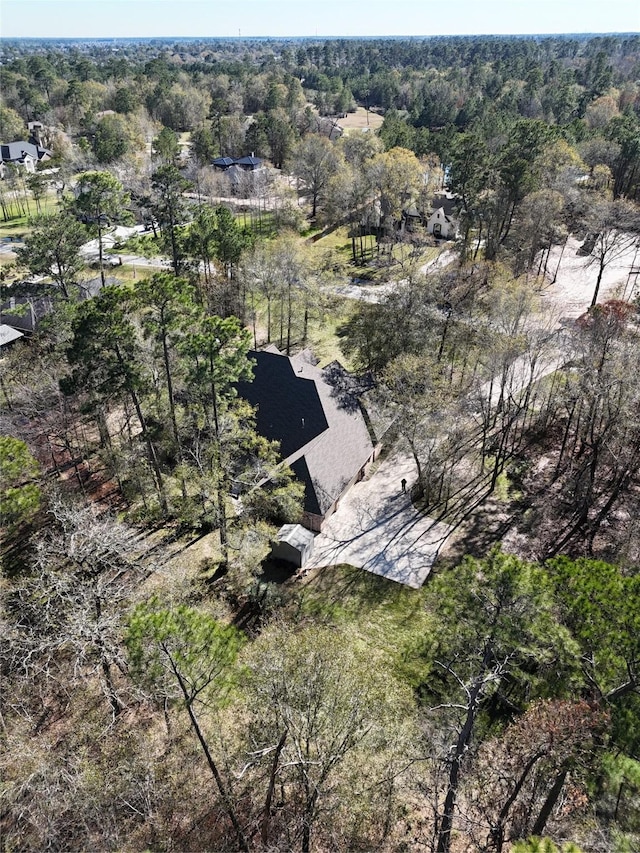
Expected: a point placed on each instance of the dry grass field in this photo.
(360, 120)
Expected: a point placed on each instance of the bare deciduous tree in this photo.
(65, 618)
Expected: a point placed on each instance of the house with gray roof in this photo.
(24, 313)
(27, 155)
(322, 432)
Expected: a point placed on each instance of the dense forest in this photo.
(166, 683)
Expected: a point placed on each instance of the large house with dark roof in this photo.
(243, 173)
(323, 433)
(24, 154)
(248, 164)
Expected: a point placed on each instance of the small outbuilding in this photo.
(294, 544)
(441, 225)
(9, 335)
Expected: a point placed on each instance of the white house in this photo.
(441, 225)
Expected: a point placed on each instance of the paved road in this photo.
(90, 251)
(9, 246)
(376, 528)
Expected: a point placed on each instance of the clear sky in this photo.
(148, 18)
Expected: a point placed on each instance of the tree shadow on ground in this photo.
(337, 589)
(346, 387)
(486, 526)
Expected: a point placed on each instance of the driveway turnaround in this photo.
(376, 528)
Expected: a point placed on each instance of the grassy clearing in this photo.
(387, 616)
(382, 263)
(17, 223)
(338, 240)
(260, 224)
(339, 244)
(6, 260)
(129, 273)
(322, 335)
(360, 120)
(326, 314)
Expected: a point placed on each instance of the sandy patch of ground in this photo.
(570, 295)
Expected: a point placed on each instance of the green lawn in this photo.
(387, 616)
(322, 337)
(379, 266)
(16, 224)
(326, 314)
(128, 273)
(259, 224)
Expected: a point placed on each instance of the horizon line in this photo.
(318, 36)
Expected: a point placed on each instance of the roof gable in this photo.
(439, 215)
(14, 152)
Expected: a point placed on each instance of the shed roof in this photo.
(8, 334)
(295, 535)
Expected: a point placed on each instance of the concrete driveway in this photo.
(376, 528)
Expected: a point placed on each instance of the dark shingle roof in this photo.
(288, 408)
(446, 201)
(323, 440)
(248, 161)
(24, 313)
(223, 162)
(227, 162)
(311, 502)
